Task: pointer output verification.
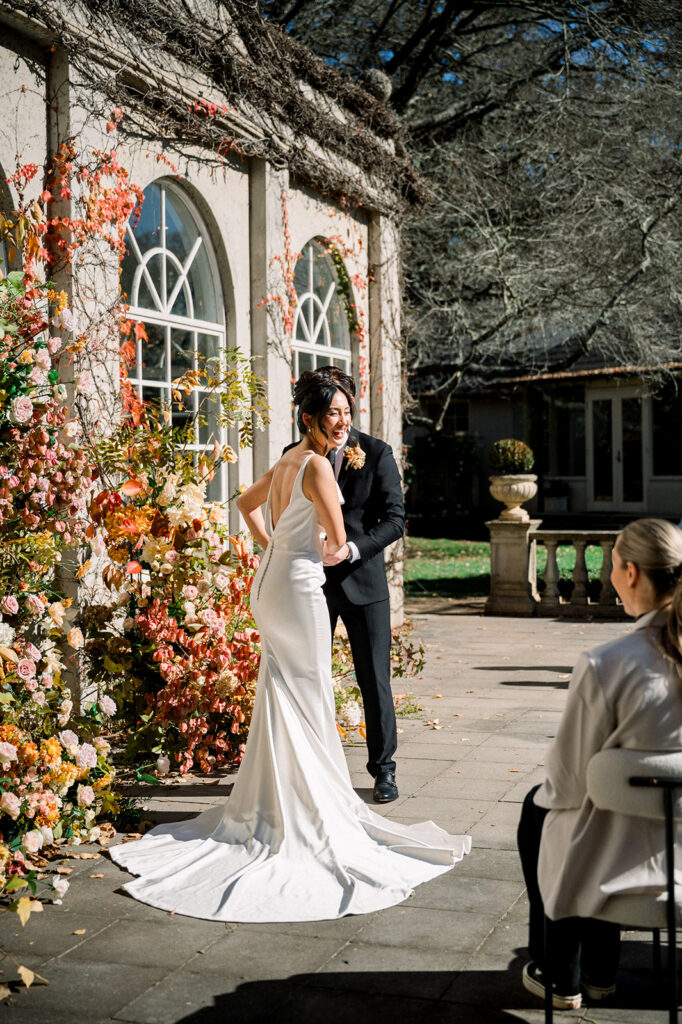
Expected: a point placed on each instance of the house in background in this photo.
(607, 445)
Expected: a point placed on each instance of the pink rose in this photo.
(10, 804)
(54, 345)
(21, 410)
(86, 756)
(172, 557)
(30, 685)
(39, 698)
(85, 796)
(34, 604)
(37, 376)
(32, 651)
(32, 841)
(26, 669)
(68, 738)
(42, 359)
(107, 706)
(10, 605)
(66, 321)
(190, 592)
(84, 383)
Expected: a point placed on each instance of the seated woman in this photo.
(627, 693)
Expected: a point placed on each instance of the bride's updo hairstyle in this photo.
(655, 547)
(314, 393)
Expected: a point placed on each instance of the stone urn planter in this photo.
(513, 489)
(511, 483)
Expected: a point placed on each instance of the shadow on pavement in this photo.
(523, 668)
(412, 997)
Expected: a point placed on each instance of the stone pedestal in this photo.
(512, 568)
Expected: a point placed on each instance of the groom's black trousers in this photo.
(369, 632)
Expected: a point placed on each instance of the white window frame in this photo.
(164, 318)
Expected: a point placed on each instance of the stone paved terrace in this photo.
(451, 954)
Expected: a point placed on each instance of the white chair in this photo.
(642, 784)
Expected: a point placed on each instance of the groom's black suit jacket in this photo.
(374, 517)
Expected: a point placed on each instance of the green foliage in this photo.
(510, 456)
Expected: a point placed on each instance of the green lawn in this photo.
(461, 568)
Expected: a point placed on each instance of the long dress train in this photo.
(293, 841)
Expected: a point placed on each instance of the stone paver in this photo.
(452, 953)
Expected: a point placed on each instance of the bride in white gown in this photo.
(293, 841)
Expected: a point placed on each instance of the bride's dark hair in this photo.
(314, 393)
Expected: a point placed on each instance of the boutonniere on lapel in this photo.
(355, 456)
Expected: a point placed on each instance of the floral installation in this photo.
(55, 776)
(175, 643)
(355, 456)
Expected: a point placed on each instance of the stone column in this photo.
(385, 368)
(512, 568)
(268, 343)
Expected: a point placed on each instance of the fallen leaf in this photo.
(399, 731)
(26, 906)
(79, 931)
(437, 696)
(5, 991)
(26, 976)
(512, 769)
(63, 871)
(96, 876)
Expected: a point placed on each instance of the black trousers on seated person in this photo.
(576, 945)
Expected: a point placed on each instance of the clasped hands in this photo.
(329, 559)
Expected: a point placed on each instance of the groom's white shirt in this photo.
(337, 462)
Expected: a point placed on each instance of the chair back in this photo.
(608, 781)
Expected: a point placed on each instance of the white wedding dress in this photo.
(293, 841)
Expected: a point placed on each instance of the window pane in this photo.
(183, 413)
(632, 449)
(667, 429)
(156, 399)
(214, 490)
(602, 450)
(147, 235)
(209, 418)
(570, 434)
(154, 360)
(306, 361)
(208, 351)
(182, 352)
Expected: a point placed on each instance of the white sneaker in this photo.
(533, 982)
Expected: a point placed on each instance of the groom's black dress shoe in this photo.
(385, 788)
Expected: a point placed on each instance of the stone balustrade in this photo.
(579, 604)
(513, 576)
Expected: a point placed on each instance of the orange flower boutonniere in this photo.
(355, 455)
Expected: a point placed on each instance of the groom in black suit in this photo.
(356, 588)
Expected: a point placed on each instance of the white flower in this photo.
(94, 834)
(8, 752)
(84, 383)
(60, 886)
(168, 492)
(32, 841)
(107, 706)
(66, 320)
(47, 834)
(162, 764)
(72, 428)
(350, 714)
(6, 634)
(69, 741)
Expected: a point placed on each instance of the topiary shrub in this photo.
(510, 456)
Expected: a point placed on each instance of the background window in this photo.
(569, 412)
(666, 409)
(170, 278)
(321, 333)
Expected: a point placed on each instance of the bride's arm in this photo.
(249, 504)
(319, 486)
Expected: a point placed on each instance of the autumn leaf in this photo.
(97, 876)
(5, 991)
(79, 931)
(26, 906)
(26, 976)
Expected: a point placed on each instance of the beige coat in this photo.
(623, 694)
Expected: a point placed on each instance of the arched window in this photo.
(321, 332)
(171, 281)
